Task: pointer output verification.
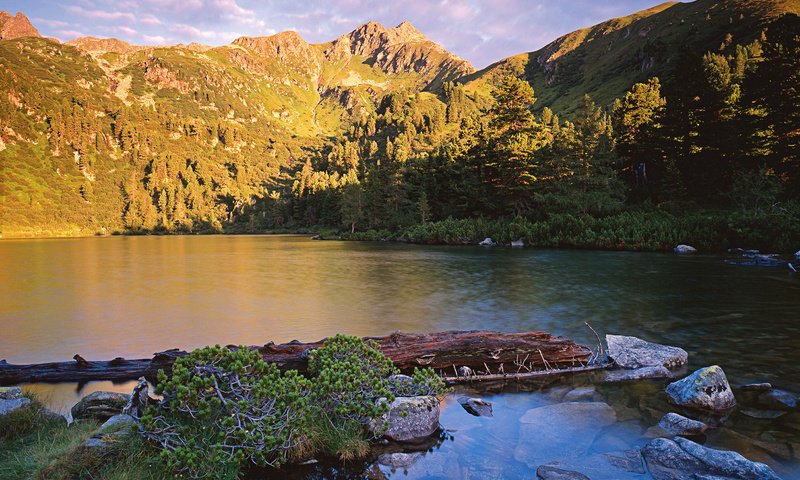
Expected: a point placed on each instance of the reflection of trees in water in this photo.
(328, 469)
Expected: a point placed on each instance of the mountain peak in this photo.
(16, 26)
(103, 45)
(409, 32)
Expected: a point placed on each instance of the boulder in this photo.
(681, 459)
(476, 406)
(100, 405)
(409, 419)
(107, 437)
(675, 424)
(705, 389)
(547, 472)
(399, 460)
(10, 406)
(488, 242)
(517, 243)
(10, 393)
(52, 416)
(580, 394)
(627, 461)
(561, 431)
(778, 399)
(633, 352)
(684, 249)
(797, 254)
(762, 414)
(643, 373)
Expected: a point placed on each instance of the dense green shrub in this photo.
(222, 408)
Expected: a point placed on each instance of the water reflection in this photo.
(132, 296)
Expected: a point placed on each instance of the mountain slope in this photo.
(17, 26)
(606, 59)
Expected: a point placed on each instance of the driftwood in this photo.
(469, 350)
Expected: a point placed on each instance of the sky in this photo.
(481, 31)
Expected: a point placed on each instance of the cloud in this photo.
(150, 20)
(65, 35)
(101, 14)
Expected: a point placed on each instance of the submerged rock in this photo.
(476, 406)
(409, 419)
(547, 472)
(100, 405)
(562, 431)
(683, 249)
(628, 461)
(643, 373)
(680, 459)
(517, 243)
(778, 399)
(580, 394)
(12, 405)
(756, 387)
(675, 424)
(399, 460)
(705, 389)
(762, 414)
(633, 352)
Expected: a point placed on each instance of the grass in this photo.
(343, 439)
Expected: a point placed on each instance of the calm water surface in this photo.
(132, 296)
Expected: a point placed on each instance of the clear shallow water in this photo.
(132, 296)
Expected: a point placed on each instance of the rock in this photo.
(488, 242)
(762, 414)
(580, 394)
(465, 371)
(681, 459)
(705, 389)
(10, 393)
(517, 243)
(778, 399)
(679, 425)
(547, 472)
(476, 406)
(756, 387)
(399, 460)
(118, 423)
(643, 373)
(633, 352)
(100, 405)
(409, 419)
(9, 406)
(797, 254)
(401, 385)
(107, 437)
(562, 431)
(52, 416)
(628, 461)
(684, 249)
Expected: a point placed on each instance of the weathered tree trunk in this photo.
(443, 350)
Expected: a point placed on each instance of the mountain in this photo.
(606, 59)
(16, 26)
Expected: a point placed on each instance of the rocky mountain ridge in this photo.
(16, 26)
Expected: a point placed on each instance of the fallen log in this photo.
(441, 350)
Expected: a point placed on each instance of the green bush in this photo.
(222, 408)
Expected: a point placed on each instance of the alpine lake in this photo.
(133, 296)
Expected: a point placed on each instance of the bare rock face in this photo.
(679, 425)
(409, 419)
(103, 45)
(633, 352)
(682, 458)
(10, 406)
(638, 374)
(100, 405)
(17, 26)
(705, 389)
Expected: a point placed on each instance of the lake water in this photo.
(132, 296)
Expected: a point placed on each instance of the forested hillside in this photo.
(678, 123)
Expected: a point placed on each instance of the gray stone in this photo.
(547, 472)
(633, 352)
(476, 406)
(683, 249)
(679, 425)
(562, 431)
(117, 423)
(756, 387)
(50, 415)
(680, 459)
(628, 461)
(488, 242)
(10, 393)
(10, 406)
(762, 414)
(705, 389)
(778, 399)
(517, 243)
(409, 419)
(100, 405)
(643, 373)
(580, 394)
(797, 255)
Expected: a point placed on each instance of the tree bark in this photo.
(442, 350)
